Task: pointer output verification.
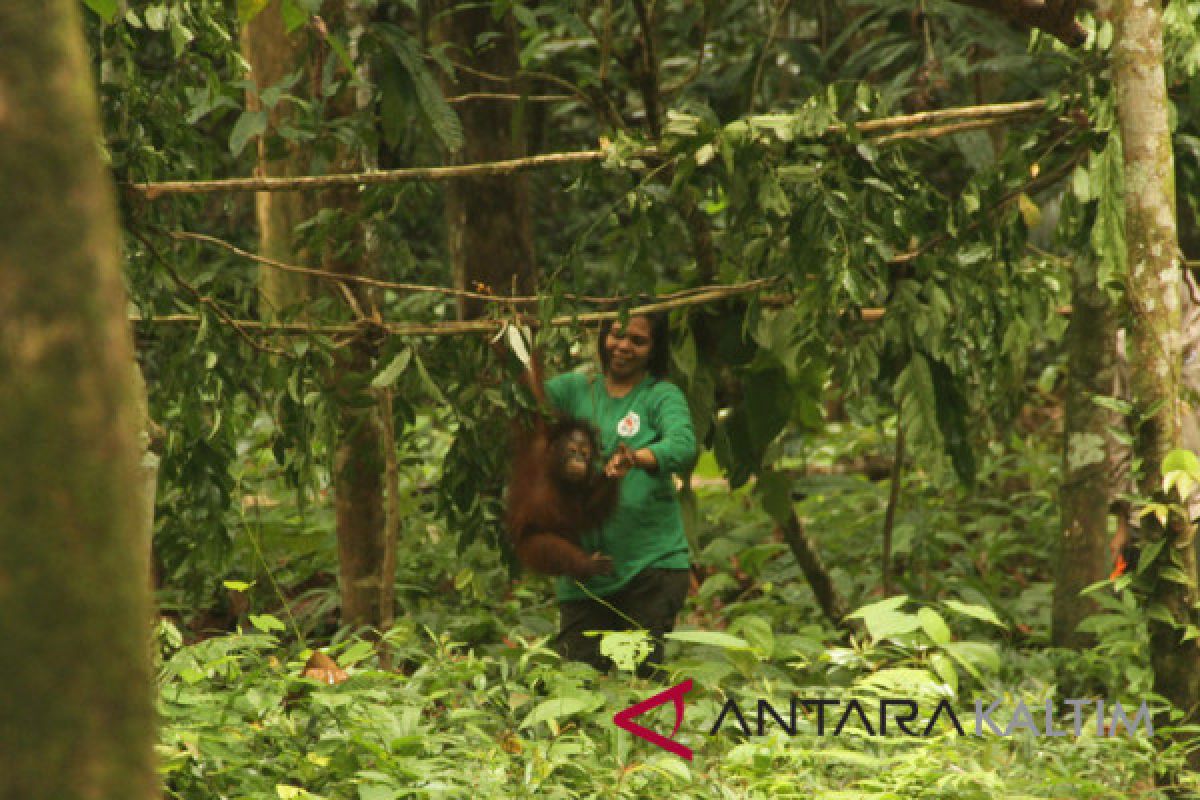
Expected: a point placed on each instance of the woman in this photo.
(631, 404)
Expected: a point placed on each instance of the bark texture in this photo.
(76, 711)
(1155, 350)
(273, 54)
(489, 219)
(1087, 489)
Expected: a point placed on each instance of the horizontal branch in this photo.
(994, 111)
(475, 326)
(939, 130)
(315, 182)
(509, 97)
(379, 283)
(994, 114)
(484, 326)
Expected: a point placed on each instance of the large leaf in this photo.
(432, 104)
(952, 414)
(917, 400)
(105, 9)
(249, 125)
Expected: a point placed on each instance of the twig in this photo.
(421, 288)
(337, 276)
(939, 131)
(508, 96)
(238, 325)
(1044, 179)
(672, 88)
(776, 18)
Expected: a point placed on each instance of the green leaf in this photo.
(430, 100)
(156, 18)
(388, 375)
(249, 125)
(952, 420)
(758, 633)
(978, 612)
(883, 619)
(933, 624)
(943, 665)
(266, 623)
(249, 9)
(711, 638)
(105, 9)
(1175, 575)
(974, 657)
(917, 399)
(1182, 461)
(906, 681)
(1149, 553)
(1108, 232)
(1181, 470)
(293, 15)
(775, 490)
(555, 709)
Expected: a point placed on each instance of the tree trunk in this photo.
(273, 54)
(1155, 360)
(76, 712)
(1087, 489)
(358, 457)
(813, 567)
(489, 220)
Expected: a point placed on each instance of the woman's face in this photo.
(629, 348)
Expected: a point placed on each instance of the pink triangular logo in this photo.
(624, 719)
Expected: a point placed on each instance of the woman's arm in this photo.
(675, 451)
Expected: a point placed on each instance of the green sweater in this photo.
(646, 530)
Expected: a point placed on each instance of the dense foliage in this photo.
(916, 277)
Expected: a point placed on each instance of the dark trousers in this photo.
(651, 600)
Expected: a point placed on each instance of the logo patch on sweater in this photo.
(629, 425)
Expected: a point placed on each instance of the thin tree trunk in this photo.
(1155, 359)
(1087, 488)
(273, 54)
(489, 219)
(828, 597)
(358, 457)
(76, 711)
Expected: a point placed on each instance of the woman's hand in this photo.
(623, 459)
(620, 462)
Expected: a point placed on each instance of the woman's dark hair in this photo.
(660, 343)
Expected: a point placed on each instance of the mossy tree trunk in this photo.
(76, 711)
(489, 220)
(1087, 488)
(1154, 345)
(358, 461)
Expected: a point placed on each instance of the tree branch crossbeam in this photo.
(978, 116)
